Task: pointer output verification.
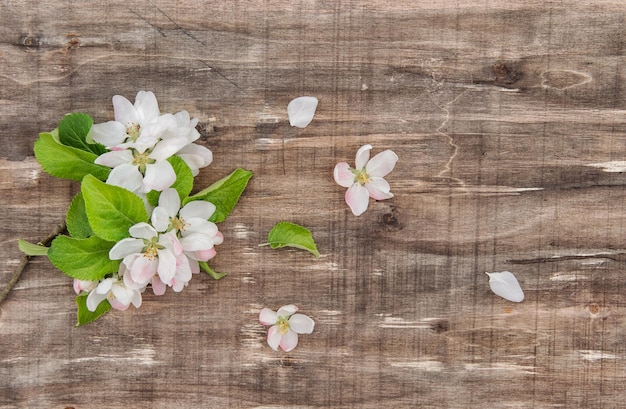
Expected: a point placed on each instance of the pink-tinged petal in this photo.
(357, 197)
(170, 201)
(84, 285)
(114, 158)
(178, 285)
(183, 270)
(274, 337)
(143, 269)
(194, 266)
(118, 305)
(362, 156)
(160, 219)
(197, 208)
(124, 111)
(218, 239)
(109, 134)
(167, 266)
(122, 294)
(289, 341)
(142, 230)
(159, 176)
(94, 299)
(381, 164)
(125, 247)
(170, 241)
(196, 242)
(126, 176)
(267, 317)
(378, 189)
(202, 255)
(286, 310)
(196, 157)
(158, 287)
(301, 324)
(343, 175)
(147, 107)
(130, 283)
(136, 299)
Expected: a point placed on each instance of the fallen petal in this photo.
(506, 286)
(301, 324)
(301, 110)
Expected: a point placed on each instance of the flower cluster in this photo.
(141, 139)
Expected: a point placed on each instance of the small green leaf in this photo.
(74, 131)
(84, 316)
(207, 269)
(224, 193)
(285, 234)
(111, 210)
(31, 249)
(65, 161)
(84, 259)
(76, 218)
(183, 183)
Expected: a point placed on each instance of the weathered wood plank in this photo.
(500, 115)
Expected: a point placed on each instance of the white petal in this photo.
(197, 209)
(160, 219)
(286, 310)
(362, 156)
(143, 270)
(301, 110)
(196, 242)
(196, 157)
(358, 198)
(197, 225)
(167, 265)
(126, 176)
(115, 158)
(301, 324)
(94, 299)
(170, 201)
(109, 134)
(381, 164)
(167, 147)
(159, 176)
(267, 317)
(343, 175)
(506, 286)
(142, 231)
(125, 247)
(274, 337)
(124, 111)
(289, 341)
(147, 107)
(378, 188)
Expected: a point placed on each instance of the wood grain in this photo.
(506, 119)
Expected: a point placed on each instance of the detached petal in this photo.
(301, 111)
(381, 164)
(362, 156)
(289, 341)
(159, 176)
(343, 175)
(301, 324)
(378, 189)
(267, 317)
(357, 197)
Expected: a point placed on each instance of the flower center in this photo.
(362, 178)
(141, 160)
(152, 248)
(132, 131)
(178, 223)
(283, 325)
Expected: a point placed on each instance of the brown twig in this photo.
(24, 262)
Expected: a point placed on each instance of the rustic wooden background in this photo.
(509, 118)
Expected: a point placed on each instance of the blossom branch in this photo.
(25, 259)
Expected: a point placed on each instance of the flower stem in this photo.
(24, 262)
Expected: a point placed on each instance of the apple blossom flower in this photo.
(197, 235)
(366, 179)
(285, 326)
(112, 289)
(84, 285)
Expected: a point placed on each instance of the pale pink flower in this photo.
(84, 285)
(285, 326)
(366, 179)
(114, 290)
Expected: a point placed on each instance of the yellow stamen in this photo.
(132, 131)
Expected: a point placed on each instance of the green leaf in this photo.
(31, 249)
(84, 316)
(74, 131)
(224, 193)
(85, 259)
(111, 210)
(65, 161)
(76, 218)
(183, 183)
(285, 234)
(207, 269)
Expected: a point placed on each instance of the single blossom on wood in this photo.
(285, 326)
